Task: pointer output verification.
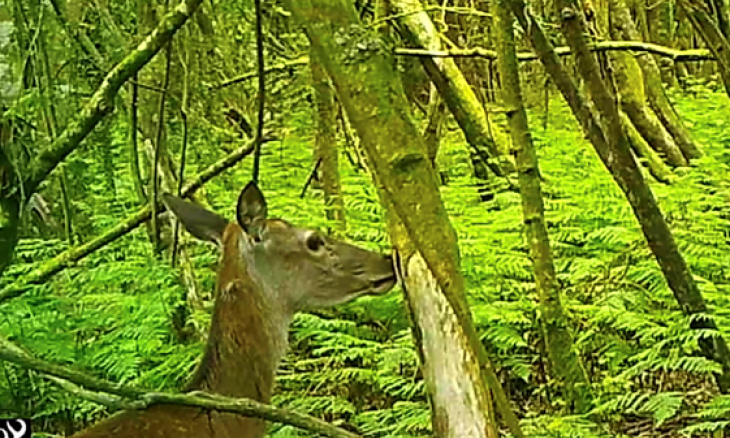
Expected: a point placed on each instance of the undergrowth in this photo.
(111, 313)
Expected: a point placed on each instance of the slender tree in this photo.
(564, 360)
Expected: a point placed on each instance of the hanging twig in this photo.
(183, 153)
(262, 90)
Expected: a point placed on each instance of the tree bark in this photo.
(326, 148)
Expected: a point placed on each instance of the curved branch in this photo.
(129, 397)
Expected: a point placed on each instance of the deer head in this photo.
(298, 268)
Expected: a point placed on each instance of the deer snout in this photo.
(383, 278)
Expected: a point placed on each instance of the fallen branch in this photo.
(129, 397)
(73, 255)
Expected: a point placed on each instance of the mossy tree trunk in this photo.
(367, 85)
(479, 128)
(629, 81)
(623, 28)
(565, 363)
(611, 144)
(326, 147)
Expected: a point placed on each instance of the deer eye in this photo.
(314, 242)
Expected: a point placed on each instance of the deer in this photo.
(268, 271)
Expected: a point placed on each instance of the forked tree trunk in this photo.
(643, 150)
(326, 148)
(629, 81)
(455, 362)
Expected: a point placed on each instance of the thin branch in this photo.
(302, 60)
(71, 256)
(312, 176)
(102, 101)
(130, 397)
(159, 141)
(479, 52)
(606, 46)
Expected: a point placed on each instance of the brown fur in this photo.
(240, 360)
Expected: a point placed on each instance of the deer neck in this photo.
(248, 336)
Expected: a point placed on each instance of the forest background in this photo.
(597, 288)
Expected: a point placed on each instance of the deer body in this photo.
(269, 270)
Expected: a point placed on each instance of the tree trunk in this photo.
(376, 105)
(326, 148)
(565, 363)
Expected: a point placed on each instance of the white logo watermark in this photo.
(15, 428)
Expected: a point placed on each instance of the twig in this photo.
(303, 60)
(312, 175)
(261, 98)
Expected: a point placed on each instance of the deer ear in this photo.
(201, 223)
(251, 211)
